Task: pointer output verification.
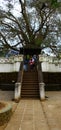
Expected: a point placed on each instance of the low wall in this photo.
(8, 80)
(51, 68)
(11, 64)
(50, 64)
(9, 68)
(52, 81)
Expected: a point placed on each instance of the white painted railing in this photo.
(11, 59)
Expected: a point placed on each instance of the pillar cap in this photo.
(42, 83)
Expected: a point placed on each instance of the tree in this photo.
(36, 23)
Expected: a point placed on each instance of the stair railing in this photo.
(18, 84)
(41, 82)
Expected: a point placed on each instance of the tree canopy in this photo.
(37, 25)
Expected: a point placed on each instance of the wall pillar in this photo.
(42, 91)
(17, 92)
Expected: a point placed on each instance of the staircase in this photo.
(30, 87)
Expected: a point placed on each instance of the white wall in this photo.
(10, 65)
(49, 64)
(49, 67)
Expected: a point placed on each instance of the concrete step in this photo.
(30, 86)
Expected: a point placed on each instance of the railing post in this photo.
(17, 93)
(42, 91)
(18, 84)
(41, 81)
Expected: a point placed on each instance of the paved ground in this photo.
(6, 95)
(36, 115)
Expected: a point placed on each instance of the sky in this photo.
(16, 10)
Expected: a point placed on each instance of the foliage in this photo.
(36, 24)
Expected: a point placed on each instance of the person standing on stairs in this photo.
(31, 63)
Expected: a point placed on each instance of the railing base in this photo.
(16, 100)
(42, 91)
(17, 93)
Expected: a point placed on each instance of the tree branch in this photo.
(26, 18)
(5, 43)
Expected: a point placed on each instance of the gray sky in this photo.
(16, 10)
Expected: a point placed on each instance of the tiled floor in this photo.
(28, 116)
(37, 115)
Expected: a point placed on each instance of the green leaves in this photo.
(55, 3)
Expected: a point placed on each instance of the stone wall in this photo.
(8, 80)
(50, 64)
(10, 64)
(51, 68)
(52, 81)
